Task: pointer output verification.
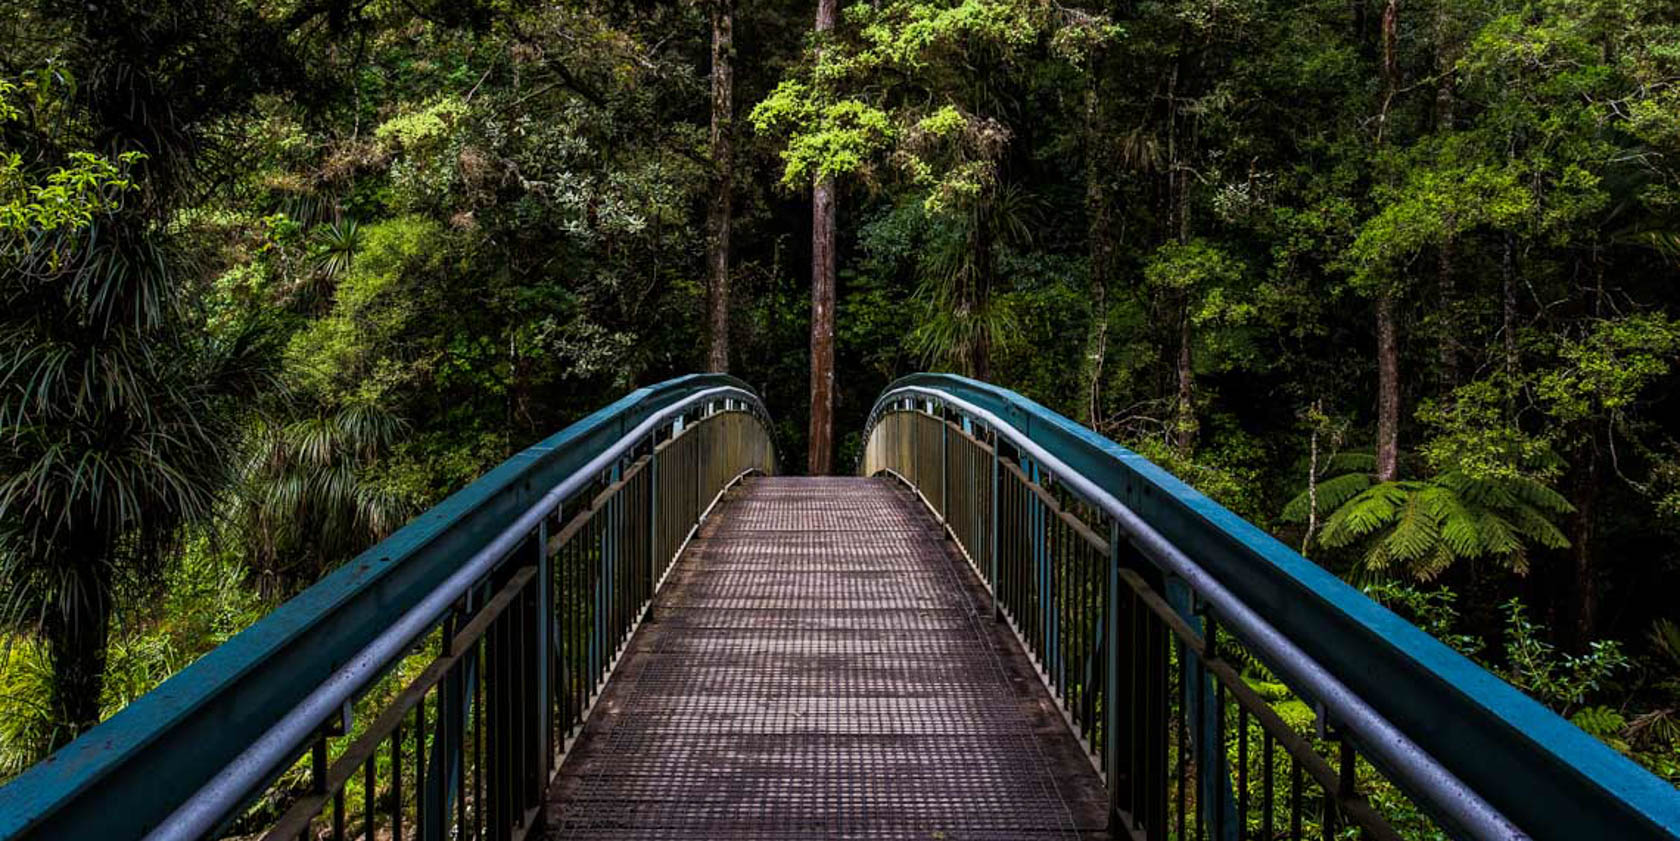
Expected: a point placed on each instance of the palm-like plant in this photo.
(335, 248)
(120, 423)
(304, 503)
(119, 408)
(963, 320)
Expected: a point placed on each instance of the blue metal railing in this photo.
(515, 592)
(1184, 585)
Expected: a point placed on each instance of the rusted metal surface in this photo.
(824, 665)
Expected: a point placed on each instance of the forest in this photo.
(1396, 281)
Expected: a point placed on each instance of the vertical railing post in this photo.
(1041, 571)
(944, 469)
(997, 585)
(1111, 696)
(653, 526)
(544, 629)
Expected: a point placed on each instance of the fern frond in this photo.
(1458, 524)
(1537, 494)
(1538, 528)
(1415, 532)
(1437, 563)
(1354, 462)
(1498, 536)
(1332, 493)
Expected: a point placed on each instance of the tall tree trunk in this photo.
(76, 638)
(1388, 350)
(820, 454)
(1099, 236)
(1444, 62)
(719, 219)
(985, 269)
(1388, 391)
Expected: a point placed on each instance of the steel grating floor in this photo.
(823, 664)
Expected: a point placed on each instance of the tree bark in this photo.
(1444, 62)
(1388, 352)
(1184, 425)
(76, 638)
(985, 268)
(719, 219)
(1388, 391)
(1099, 235)
(820, 453)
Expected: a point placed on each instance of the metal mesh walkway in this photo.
(823, 665)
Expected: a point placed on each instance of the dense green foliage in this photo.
(279, 274)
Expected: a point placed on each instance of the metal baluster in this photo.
(1242, 772)
(370, 817)
(396, 781)
(1269, 767)
(1294, 800)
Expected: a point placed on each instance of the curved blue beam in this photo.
(124, 776)
(1548, 777)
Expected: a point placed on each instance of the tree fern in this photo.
(1420, 528)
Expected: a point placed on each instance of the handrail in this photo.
(1486, 759)
(221, 727)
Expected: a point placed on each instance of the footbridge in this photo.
(1005, 626)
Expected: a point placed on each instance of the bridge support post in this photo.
(944, 468)
(997, 585)
(653, 528)
(543, 629)
(1111, 691)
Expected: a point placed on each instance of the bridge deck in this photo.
(823, 664)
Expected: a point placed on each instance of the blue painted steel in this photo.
(1543, 773)
(130, 771)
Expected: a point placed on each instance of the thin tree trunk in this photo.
(1185, 424)
(1388, 391)
(76, 645)
(719, 219)
(1100, 243)
(1388, 351)
(1444, 62)
(1580, 538)
(1312, 484)
(1449, 323)
(820, 454)
(1508, 320)
(980, 349)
